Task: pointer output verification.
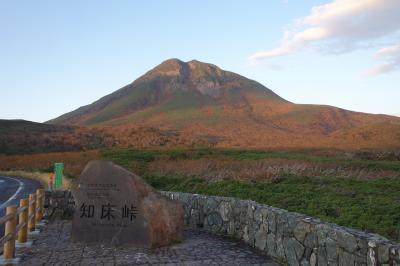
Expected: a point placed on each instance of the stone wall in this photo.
(287, 236)
(290, 237)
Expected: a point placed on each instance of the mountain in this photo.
(171, 86)
(202, 101)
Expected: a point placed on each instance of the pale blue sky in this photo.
(58, 55)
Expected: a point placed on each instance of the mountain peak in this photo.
(170, 67)
(176, 65)
(171, 62)
(192, 70)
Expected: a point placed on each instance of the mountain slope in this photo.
(22, 137)
(200, 99)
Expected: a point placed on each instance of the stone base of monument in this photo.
(114, 206)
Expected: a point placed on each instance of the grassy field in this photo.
(124, 156)
(371, 204)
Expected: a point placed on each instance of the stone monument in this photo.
(115, 206)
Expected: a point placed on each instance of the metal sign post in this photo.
(58, 172)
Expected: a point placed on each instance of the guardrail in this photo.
(21, 220)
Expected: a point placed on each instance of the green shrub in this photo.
(372, 205)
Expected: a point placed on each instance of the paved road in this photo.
(12, 189)
(53, 246)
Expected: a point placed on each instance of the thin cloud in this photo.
(339, 26)
(391, 56)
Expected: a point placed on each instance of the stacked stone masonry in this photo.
(289, 237)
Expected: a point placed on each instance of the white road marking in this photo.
(21, 185)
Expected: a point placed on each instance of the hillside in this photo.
(22, 137)
(26, 137)
(200, 100)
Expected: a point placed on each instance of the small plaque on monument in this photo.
(115, 206)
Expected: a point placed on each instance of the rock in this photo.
(261, 237)
(331, 251)
(294, 251)
(383, 253)
(115, 206)
(211, 205)
(347, 241)
(307, 253)
(324, 231)
(322, 256)
(271, 245)
(313, 259)
(258, 216)
(395, 254)
(346, 258)
(272, 223)
(246, 234)
(362, 247)
(280, 249)
(301, 230)
(214, 222)
(225, 211)
(289, 224)
(250, 211)
(231, 228)
(251, 233)
(311, 240)
(371, 256)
